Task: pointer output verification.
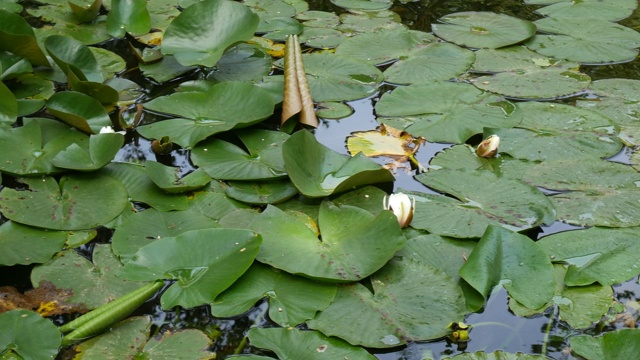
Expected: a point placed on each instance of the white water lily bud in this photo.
(107, 130)
(401, 206)
(488, 147)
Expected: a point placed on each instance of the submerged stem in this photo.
(547, 331)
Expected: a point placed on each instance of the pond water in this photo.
(494, 327)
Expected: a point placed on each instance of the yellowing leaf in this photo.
(385, 141)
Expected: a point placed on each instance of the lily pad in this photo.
(8, 106)
(28, 245)
(318, 171)
(17, 37)
(439, 61)
(226, 161)
(292, 300)
(363, 5)
(611, 10)
(142, 189)
(168, 179)
(59, 20)
(101, 150)
(79, 110)
(618, 344)
(203, 262)
(305, 344)
(333, 110)
(497, 355)
(523, 74)
(580, 306)
(34, 145)
(215, 203)
(19, 327)
(92, 284)
(341, 255)
(445, 111)
(261, 193)
(483, 29)
(513, 260)
(243, 62)
(201, 33)
(73, 56)
(408, 301)
(222, 107)
(599, 207)
(370, 22)
(594, 255)
(377, 48)
(514, 204)
(585, 40)
(128, 17)
(147, 226)
(75, 202)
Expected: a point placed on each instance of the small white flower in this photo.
(109, 130)
(488, 147)
(401, 206)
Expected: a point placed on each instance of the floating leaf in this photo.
(79, 110)
(445, 111)
(147, 226)
(513, 260)
(73, 56)
(101, 150)
(93, 284)
(408, 301)
(75, 202)
(598, 255)
(204, 263)
(168, 178)
(297, 98)
(385, 141)
(598, 9)
(8, 106)
(243, 62)
(305, 344)
(483, 29)
(18, 38)
(128, 16)
(220, 108)
(292, 300)
(585, 40)
(497, 355)
(377, 48)
(28, 245)
(18, 340)
(333, 110)
(342, 254)
(201, 33)
(618, 344)
(318, 171)
(363, 5)
(579, 306)
(34, 145)
(86, 13)
(226, 161)
(261, 193)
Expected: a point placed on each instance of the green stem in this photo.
(545, 341)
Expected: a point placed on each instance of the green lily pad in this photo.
(147, 226)
(318, 171)
(580, 306)
(86, 13)
(141, 188)
(439, 61)
(11, 6)
(363, 5)
(100, 151)
(92, 284)
(599, 9)
(513, 260)
(618, 100)
(59, 20)
(225, 161)
(79, 110)
(75, 202)
(215, 203)
(8, 106)
(197, 37)
(261, 193)
(557, 131)
(242, 62)
(333, 110)
(34, 145)
(381, 47)
(396, 309)
(128, 17)
(203, 262)
(164, 70)
(497, 355)
(514, 204)
(73, 56)
(17, 37)
(222, 107)
(370, 22)
(599, 207)
(343, 254)
(168, 178)
(598, 255)
(127, 340)
(19, 327)
(31, 91)
(585, 40)
(292, 300)
(322, 38)
(523, 74)
(483, 29)
(28, 245)
(12, 66)
(445, 111)
(618, 344)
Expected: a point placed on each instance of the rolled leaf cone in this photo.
(297, 96)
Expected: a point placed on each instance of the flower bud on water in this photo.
(488, 147)
(401, 206)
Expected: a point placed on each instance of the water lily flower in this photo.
(488, 147)
(401, 206)
(109, 130)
